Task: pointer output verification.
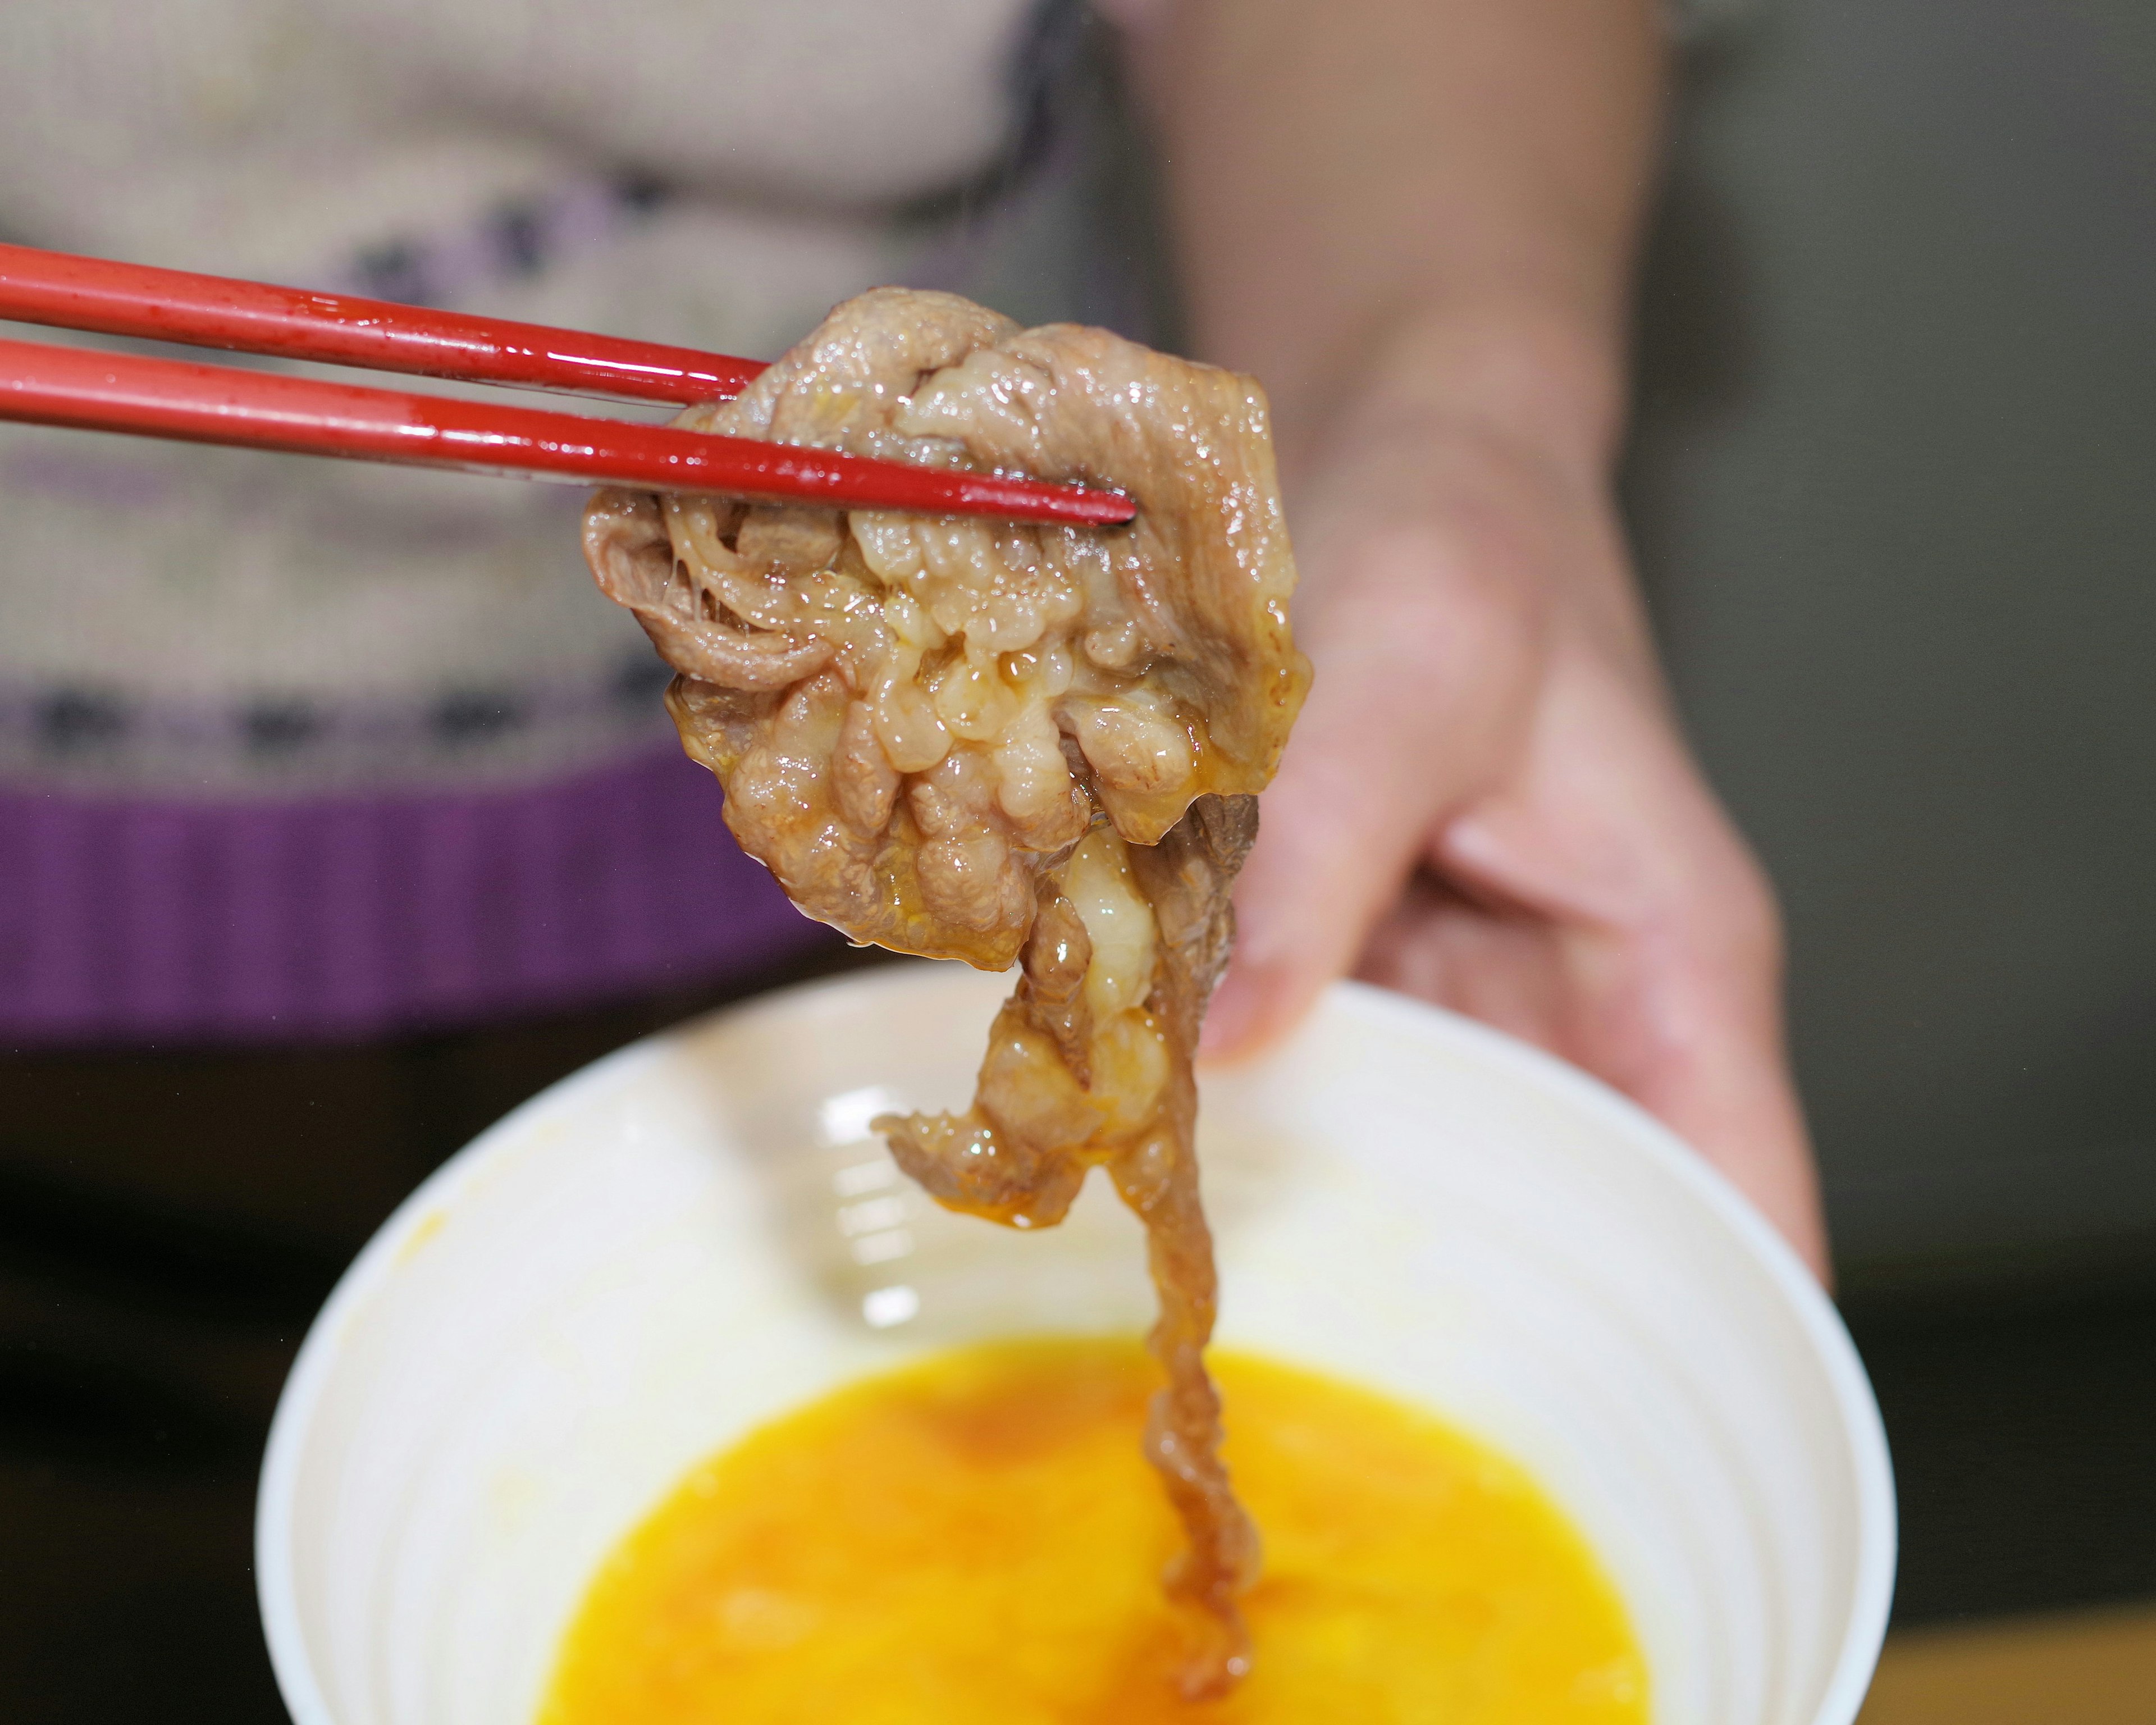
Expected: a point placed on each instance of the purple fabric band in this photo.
(134, 922)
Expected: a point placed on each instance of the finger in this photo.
(1712, 1068)
(1491, 962)
(1425, 652)
(1670, 939)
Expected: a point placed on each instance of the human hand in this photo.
(1487, 804)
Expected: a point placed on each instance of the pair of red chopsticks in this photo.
(220, 405)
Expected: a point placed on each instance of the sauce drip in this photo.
(1089, 1063)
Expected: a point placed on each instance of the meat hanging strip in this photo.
(1001, 743)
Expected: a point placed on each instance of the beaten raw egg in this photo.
(978, 1539)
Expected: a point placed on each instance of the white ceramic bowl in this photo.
(700, 1232)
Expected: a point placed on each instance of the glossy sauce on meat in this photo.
(1002, 743)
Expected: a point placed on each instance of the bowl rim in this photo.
(1856, 1407)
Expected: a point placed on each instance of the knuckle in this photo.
(1741, 917)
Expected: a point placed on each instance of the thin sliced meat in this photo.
(1006, 744)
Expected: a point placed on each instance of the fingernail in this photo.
(1232, 1019)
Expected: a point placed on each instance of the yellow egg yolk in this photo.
(977, 1539)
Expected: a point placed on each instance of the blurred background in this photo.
(1893, 483)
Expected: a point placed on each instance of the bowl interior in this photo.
(700, 1232)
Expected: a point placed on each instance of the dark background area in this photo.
(1894, 486)
(169, 1225)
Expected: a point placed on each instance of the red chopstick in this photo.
(218, 404)
(113, 299)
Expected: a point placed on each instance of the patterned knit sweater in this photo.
(290, 748)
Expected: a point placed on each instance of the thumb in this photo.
(1424, 677)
